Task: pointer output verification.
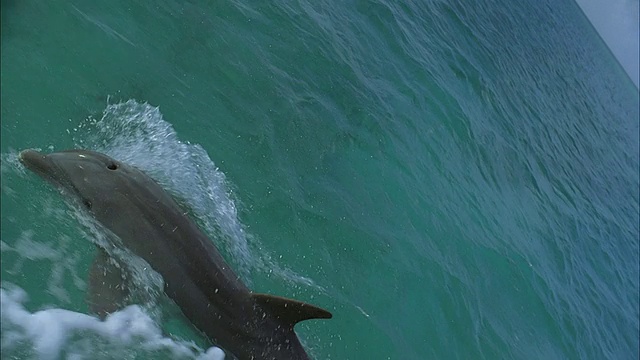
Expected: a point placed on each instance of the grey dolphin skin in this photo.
(197, 278)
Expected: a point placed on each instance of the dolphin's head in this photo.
(93, 178)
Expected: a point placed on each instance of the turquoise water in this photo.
(451, 180)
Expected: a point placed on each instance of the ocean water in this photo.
(452, 180)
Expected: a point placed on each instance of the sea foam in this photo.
(52, 333)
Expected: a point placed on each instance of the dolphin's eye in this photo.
(112, 166)
(86, 203)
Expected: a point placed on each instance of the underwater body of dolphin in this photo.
(196, 277)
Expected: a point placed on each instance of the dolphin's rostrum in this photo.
(151, 224)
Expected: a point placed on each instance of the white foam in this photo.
(49, 331)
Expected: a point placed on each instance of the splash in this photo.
(136, 133)
(52, 333)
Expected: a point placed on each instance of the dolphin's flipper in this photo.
(289, 311)
(108, 287)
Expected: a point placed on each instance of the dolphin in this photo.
(150, 223)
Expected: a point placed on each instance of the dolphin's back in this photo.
(164, 223)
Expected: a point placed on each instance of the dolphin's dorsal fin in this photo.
(289, 311)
